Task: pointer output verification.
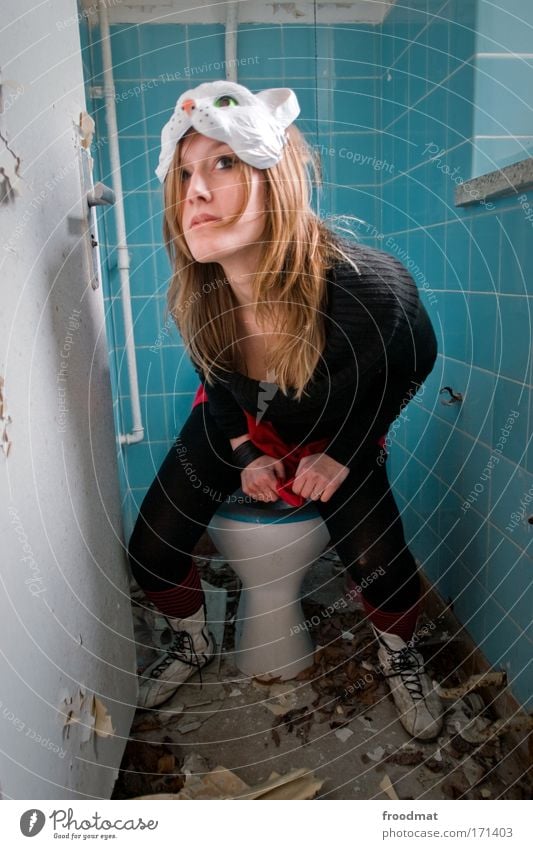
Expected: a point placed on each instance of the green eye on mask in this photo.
(230, 101)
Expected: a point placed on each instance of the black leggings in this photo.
(197, 476)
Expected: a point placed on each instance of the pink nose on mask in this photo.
(188, 106)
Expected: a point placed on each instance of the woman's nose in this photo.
(198, 185)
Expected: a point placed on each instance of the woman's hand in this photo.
(318, 477)
(260, 478)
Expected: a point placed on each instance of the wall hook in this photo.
(455, 397)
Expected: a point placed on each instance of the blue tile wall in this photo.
(392, 115)
(472, 462)
(503, 129)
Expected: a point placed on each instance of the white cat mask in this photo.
(253, 125)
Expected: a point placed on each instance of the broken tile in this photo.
(376, 754)
(194, 764)
(343, 734)
(366, 724)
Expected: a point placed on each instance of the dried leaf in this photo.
(388, 787)
(475, 682)
(405, 758)
(166, 763)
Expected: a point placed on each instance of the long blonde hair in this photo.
(289, 285)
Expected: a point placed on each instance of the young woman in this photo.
(296, 333)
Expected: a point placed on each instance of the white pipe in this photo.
(123, 259)
(230, 45)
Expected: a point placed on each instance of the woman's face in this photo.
(212, 186)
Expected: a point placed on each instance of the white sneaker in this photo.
(192, 647)
(419, 705)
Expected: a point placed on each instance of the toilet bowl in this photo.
(270, 546)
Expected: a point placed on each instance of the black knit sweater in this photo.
(379, 339)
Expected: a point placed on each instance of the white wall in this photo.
(65, 622)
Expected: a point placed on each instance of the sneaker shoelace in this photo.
(406, 664)
(181, 644)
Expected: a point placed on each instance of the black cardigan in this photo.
(379, 338)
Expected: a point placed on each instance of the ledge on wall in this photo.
(510, 180)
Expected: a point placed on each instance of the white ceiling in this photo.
(248, 11)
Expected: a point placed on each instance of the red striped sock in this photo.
(402, 623)
(182, 600)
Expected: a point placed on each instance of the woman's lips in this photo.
(206, 221)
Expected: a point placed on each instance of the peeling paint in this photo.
(5, 420)
(89, 712)
(7, 100)
(9, 172)
(86, 127)
(289, 8)
(9, 161)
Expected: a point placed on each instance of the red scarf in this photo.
(264, 437)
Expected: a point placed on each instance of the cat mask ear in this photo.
(282, 104)
(253, 126)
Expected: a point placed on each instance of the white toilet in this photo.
(270, 547)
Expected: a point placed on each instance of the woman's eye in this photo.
(229, 159)
(226, 100)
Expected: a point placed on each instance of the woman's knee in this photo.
(392, 587)
(154, 555)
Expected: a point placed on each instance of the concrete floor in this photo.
(351, 741)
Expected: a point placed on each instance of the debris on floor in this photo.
(148, 768)
(343, 734)
(332, 732)
(479, 729)
(388, 787)
(475, 682)
(220, 783)
(375, 755)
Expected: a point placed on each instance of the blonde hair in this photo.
(289, 285)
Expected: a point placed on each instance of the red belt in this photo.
(264, 437)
